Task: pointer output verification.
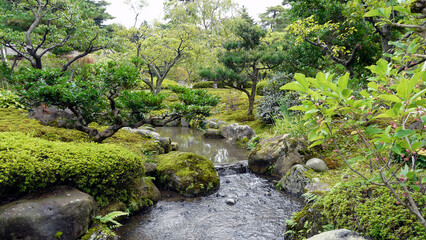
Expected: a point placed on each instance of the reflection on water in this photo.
(220, 151)
(259, 213)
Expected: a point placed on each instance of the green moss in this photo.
(15, 120)
(369, 210)
(99, 229)
(188, 173)
(102, 170)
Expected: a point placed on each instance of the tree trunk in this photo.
(38, 64)
(158, 84)
(385, 38)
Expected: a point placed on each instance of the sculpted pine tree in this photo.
(246, 60)
(32, 29)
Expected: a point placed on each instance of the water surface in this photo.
(220, 151)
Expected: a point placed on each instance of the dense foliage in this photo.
(28, 164)
(107, 93)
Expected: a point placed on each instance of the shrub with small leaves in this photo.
(101, 170)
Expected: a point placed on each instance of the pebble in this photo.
(230, 201)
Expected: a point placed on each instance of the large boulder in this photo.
(187, 173)
(212, 133)
(275, 156)
(60, 212)
(296, 180)
(236, 132)
(53, 116)
(339, 234)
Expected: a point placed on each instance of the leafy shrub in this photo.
(101, 170)
(5, 76)
(275, 101)
(8, 99)
(208, 84)
(261, 88)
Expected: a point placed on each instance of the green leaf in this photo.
(364, 94)
(397, 149)
(342, 83)
(294, 86)
(372, 85)
(415, 187)
(372, 13)
(302, 80)
(316, 143)
(355, 159)
(388, 97)
(424, 118)
(382, 67)
(403, 89)
(372, 130)
(404, 133)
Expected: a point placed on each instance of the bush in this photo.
(261, 88)
(275, 102)
(101, 170)
(208, 84)
(8, 99)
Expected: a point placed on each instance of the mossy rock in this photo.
(187, 173)
(143, 193)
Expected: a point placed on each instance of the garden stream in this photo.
(245, 207)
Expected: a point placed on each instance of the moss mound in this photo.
(102, 170)
(369, 210)
(187, 173)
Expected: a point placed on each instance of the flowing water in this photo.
(245, 206)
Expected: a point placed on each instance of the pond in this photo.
(245, 207)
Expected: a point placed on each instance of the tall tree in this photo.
(246, 60)
(158, 49)
(32, 29)
(274, 18)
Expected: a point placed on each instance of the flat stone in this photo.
(339, 234)
(63, 211)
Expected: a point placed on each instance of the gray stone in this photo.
(295, 180)
(58, 210)
(53, 116)
(144, 132)
(236, 132)
(317, 187)
(184, 123)
(174, 146)
(339, 234)
(317, 165)
(212, 124)
(275, 156)
(212, 133)
(230, 201)
(232, 168)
